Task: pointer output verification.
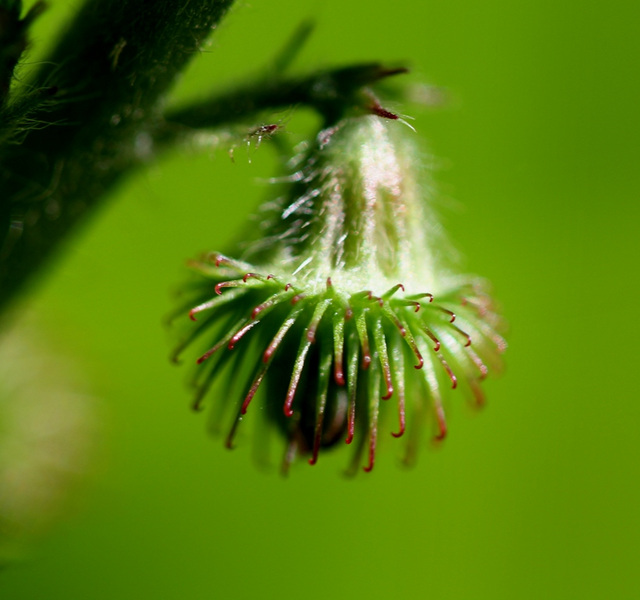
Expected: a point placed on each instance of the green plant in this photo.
(343, 298)
(345, 268)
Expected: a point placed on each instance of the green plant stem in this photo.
(109, 75)
(325, 91)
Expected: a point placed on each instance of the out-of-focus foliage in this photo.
(534, 497)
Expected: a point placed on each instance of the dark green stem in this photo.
(326, 91)
(108, 77)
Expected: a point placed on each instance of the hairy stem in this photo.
(107, 78)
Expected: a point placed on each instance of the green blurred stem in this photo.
(109, 73)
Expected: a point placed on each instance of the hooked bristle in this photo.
(365, 336)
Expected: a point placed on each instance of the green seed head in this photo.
(354, 211)
(343, 303)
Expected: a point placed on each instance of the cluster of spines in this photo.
(385, 319)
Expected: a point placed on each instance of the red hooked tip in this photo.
(441, 435)
(288, 402)
(401, 410)
(447, 368)
(316, 448)
(192, 313)
(434, 339)
(348, 313)
(329, 284)
(416, 304)
(372, 453)
(402, 428)
(415, 350)
(464, 334)
(378, 110)
(275, 343)
(389, 392)
(220, 259)
(258, 309)
(393, 290)
(442, 424)
(373, 298)
(224, 284)
(240, 333)
(270, 276)
(366, 360)
(423, 295)
(339, 375)
(450, 313)
(247, 275)
(297, 298)
(252, 392)
(209, 352)
(287, 287)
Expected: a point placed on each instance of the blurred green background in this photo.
(537, 496)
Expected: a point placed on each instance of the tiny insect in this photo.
(262, 132)
(256, 135)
